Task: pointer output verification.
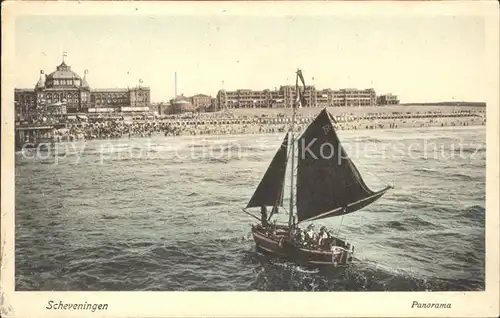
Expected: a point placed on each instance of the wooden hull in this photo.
(310, 257)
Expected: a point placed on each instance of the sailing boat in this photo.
(328, 184)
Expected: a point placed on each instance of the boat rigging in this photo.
(326, 184)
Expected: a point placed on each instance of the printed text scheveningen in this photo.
(53, 305)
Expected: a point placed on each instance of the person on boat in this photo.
(298, 236)
(303, 238)
(310, 235)
(322, 237)
(263, 216)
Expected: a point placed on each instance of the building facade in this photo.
(112, 100)
(354, 97)
(387, 99)
(25, 102)
(64, 91)
(285, 97)
(181, 104)
(195, 103)
(201, 102)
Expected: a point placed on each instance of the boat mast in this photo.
(292, 143)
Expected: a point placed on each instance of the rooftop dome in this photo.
(63, 78)
(63, 71)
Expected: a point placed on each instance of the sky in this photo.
(419, 58)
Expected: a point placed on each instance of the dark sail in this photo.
(270, 189)
(328, 182)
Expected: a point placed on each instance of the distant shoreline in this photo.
(413, 108)
(456, 104)
(359, 124)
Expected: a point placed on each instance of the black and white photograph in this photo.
(250, 147)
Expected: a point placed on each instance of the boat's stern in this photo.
(342, 256)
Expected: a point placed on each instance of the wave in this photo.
(396, 225)
(213, 203)
(425, 170)
(465, 256)
(417, 221)
(225, 180)
(218, 160)
(367, 139)
(442, 235)
(442, 172)
(129, 179)
(408, 224)
(474, 212)
(254, 149)
(196, 146)
(276, 276)
(111, 217)
(461, 176)
(44, 162)
(471, 150)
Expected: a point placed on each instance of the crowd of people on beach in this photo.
(113, 129)
(119, 129)
(228, 124)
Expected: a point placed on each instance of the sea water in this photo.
(164, 213)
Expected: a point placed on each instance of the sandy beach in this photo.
(252, 121)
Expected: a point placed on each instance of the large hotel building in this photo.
(64, 91)
(285, 97)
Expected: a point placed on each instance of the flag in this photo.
(299, 73)
(301, 99)
(140, 80)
